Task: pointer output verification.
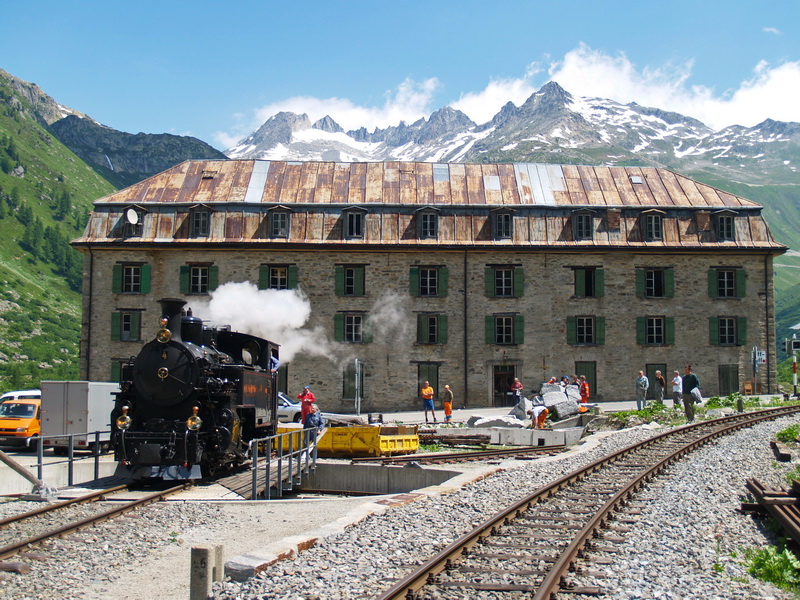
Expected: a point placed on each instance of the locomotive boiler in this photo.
(192, 399)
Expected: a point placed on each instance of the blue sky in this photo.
(218, 70)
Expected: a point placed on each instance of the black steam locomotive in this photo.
(192, 399)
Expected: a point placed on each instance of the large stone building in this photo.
(460, 274)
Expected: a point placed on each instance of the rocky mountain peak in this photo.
(326, 123)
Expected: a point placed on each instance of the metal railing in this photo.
(288, 464)
(70, 451)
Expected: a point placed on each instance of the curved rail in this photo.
(12, 549)
(425, 574)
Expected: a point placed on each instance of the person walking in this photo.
(584, 387)
(642, 383)
(427, 401)
(677, 388)
(661, 385)
(307, 399)
(516, 389)
(690, 381)
(448, 404)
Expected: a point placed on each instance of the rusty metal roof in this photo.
(542, 198)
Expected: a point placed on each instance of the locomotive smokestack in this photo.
(171, 309)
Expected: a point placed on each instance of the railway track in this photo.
(530, 548)
(470, 455)
(29, 529)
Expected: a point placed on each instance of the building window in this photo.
(133, 222)
(503, 226)
(655, 283)
(727, 283)
(354, 224)
(653, 228)
(352, 328)
(504, 282)
(728, 331)
(583, 226)
(125, 325)
(428, 225)
(431, 329)
(131, 278)
(429, 282)
(200, 223)
(725, 228)
(589, 282)
(586, 330)
(507, 329)
(277, 277)
(279, 224)
(655, 331)
(198, 279)
(350, 280)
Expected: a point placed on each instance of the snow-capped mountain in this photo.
(550, 126)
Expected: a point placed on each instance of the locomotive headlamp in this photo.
(123, 421)
(164, 335)
(194, 422)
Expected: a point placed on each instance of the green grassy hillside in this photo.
(45, 194)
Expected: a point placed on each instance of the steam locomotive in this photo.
(192, 399)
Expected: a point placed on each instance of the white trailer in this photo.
(78, 408)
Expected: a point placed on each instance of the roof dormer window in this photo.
(503, 224)
(354, 222)
(653, 225)
(726, 226)
(583, 225)
(200, 221)
(428, 224)
(279, 220)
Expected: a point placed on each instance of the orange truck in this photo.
(20, 418)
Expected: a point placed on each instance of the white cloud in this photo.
(773, 30)
(409, 102)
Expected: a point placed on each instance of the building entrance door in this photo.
(728, 379)
(588, 368)
(502, 378)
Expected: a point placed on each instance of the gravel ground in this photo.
(676, 553)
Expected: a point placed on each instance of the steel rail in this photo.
(461, 456)
(12, 549)
(409, 585)
(51, 507)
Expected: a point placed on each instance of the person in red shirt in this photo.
(306, 398)
(584, 386)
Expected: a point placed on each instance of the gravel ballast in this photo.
(689, 542)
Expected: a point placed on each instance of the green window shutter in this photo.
(641, 331)
(184, 279)
(443, 277)
(599, 283)
(422, 320)
(292, 276)
(640, 283)
(669, 283)
(489, 323)
(712, 284)
(339, 285)
(366, 335)
(488, 282)
(116, 319)
(741, 283)
(338, 328)
(600, 330)
(263, 277)
(713, 331)
(519, 329)
(359, 277)
(519, 282)
(572, 330)
(413, 281)
(442, 329)
(116, 279)
(669, 333)
(145, 279)
(213, 277)
(741, 330)
(116, 371)
(136, 330)
(580, 283)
